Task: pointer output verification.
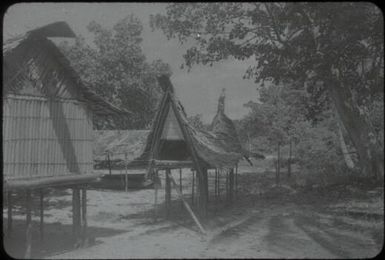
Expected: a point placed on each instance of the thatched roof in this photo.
(213, 149)
(32, 49)
(119, 142)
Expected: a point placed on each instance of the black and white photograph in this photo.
(196, 130)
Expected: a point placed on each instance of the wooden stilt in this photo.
(168, 192)
(227, 185)
(289, 160)
(192, 189)
(215, 183)
(231, 185)
(109, 162)
(219, 184)
(9, 198)
(126, 176)
(156, 186)
(180, 185)
(76, 218)
(28, 204)
(84, 214)
(207, 186)
(236, 180)
(41, 214)
(278, 165)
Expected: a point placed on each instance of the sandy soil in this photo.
(263, 222)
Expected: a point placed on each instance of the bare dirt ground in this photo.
(263, 222)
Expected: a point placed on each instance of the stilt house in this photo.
(173, 143)
(47, 118)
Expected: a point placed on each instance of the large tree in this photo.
(117, 69)
(332, 50)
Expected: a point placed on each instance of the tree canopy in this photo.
(332, 52)
(117, 69)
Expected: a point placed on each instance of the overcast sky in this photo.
(198, 90)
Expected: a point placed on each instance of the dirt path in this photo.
(254, 227)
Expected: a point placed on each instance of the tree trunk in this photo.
(359, 130)
(348, 159)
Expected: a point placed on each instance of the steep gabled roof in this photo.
(210, 149)
(19, 51)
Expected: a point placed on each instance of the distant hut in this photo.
(47, 121)
(173, 144)
(114, 150)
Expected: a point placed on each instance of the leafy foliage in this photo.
(317, 49)
(117, 69)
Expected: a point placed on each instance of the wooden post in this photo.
(215, 183)
(236, 180)
(192, 189)
(207, 185)
(126, 176)
(41, 214)
(109, 162)
(9, 229)
(289, 161)
(203, 193)
(168, 192)
(231, 184)
(84, 214)
(227, 185)
(278, 165)
(180, 185)
(28, 233)
(156, 185)
(76, 221)
(219, 184)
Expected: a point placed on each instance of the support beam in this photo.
(236, 180)
(109, 162)
(168, 192)
(9, 198)
(215, 183)
(289, 160)
(180, 184)
(76, 218)
(126, 176)
(41, 193)
(193, 187)
(231, 185)
(84, 214)
(28, 233)
(156, 186)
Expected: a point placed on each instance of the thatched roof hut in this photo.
(172, 138)
(119, 143)
(47, 112)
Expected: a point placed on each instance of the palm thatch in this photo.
(119, 143)
(33, 59)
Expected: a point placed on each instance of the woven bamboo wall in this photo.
(45, 138)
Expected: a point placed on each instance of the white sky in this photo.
(198, 90)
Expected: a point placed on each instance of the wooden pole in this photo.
(180, 184)
(28, 234)
(41, 214)
(207, 185)
(156, 185)
(76, 218)
(126, 176)
(168, 192)
(193, 184)
(215, 182)
(109, 162)
(231, 184)
(227, 185)
(9, 229)
(289, 160)
(187, 206)
(236, 180)
(84, 214)
(219, 184)
(278, 165)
